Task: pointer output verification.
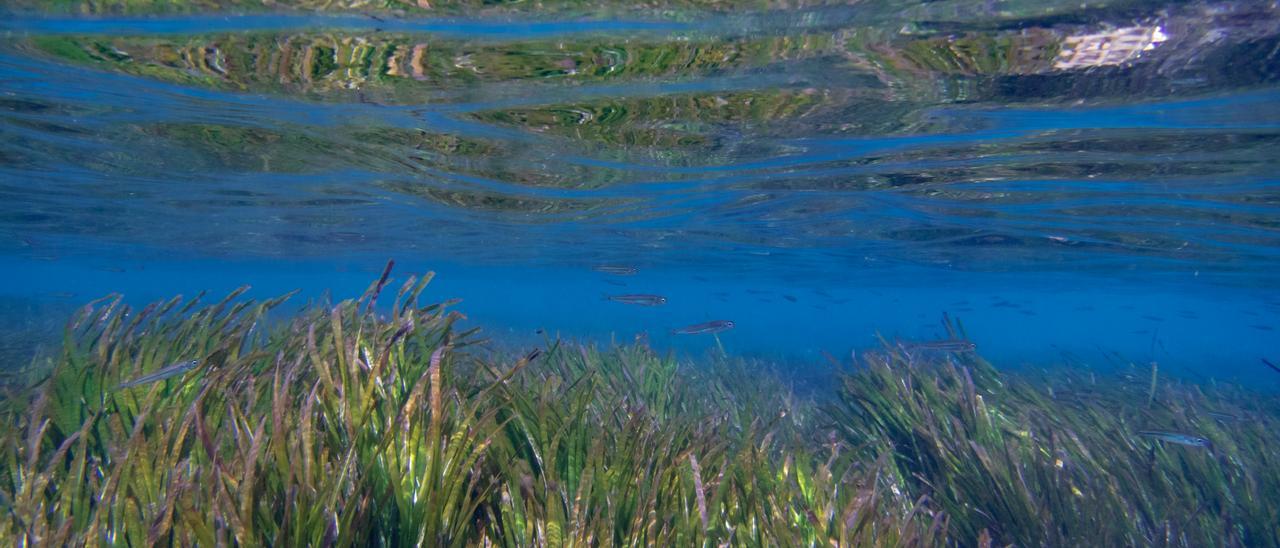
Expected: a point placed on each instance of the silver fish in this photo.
(946, 345)
(1174, 437)
(1225, 417)
(160, 374)
(638, 298)
(707, 327)
(616, 270)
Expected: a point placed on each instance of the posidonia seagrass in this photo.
(350, 424)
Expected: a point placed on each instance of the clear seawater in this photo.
(1077, 183)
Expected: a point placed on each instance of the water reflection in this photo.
(867, 135)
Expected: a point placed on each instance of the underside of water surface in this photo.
(673, 273)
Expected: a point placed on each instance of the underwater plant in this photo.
(1066, 458)
(359, 424)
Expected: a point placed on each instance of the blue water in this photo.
(816, 190)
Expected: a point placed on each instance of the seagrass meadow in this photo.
(368, 422)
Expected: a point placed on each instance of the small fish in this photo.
(715, 326)
(638, 298)
(945, 345)
(160, 374)
(1224, 417)
(789, 298)
(1271, 365)
(616, 270)
(1174, 437)
(1261, 327)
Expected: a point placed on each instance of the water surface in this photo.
(1067, 179)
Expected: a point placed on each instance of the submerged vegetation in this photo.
(354, 423)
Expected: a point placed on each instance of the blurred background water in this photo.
(1090, 182)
